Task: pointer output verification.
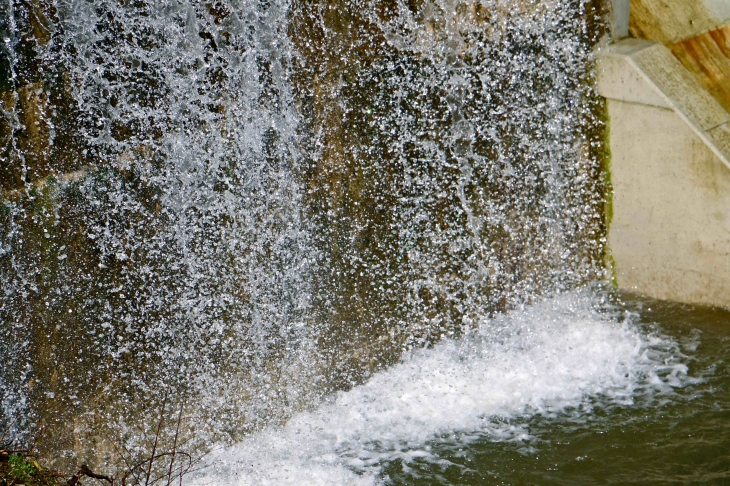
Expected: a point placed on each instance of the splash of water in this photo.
(559, 355)
(178, 257)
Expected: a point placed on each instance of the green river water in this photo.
(680, 438)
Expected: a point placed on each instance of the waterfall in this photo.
(232, 209)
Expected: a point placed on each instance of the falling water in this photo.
(230, 210)
(174, 260)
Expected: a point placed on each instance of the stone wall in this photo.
(447, 160)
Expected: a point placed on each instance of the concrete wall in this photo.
(669, 235)
(697, 32)
(669, 21)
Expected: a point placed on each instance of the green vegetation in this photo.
(21, 469)
(606, 169)
(605, 157)
(17, 468)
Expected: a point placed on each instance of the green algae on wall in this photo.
(605, 158)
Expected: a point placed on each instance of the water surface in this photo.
(682, 437)
(580, 389)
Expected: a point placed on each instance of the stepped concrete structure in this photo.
(668, 96)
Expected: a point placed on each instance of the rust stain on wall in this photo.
(707, 57)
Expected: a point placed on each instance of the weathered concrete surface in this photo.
(670, 21)
(670, 139)
(698, 34)
(707, 57)
(620, 24)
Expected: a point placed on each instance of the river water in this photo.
(580, 389)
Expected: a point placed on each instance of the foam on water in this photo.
(556, 356)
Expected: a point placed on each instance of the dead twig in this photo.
(37, 437)
(85, 471)
(157, 438)
(178, 471)
(174, 446)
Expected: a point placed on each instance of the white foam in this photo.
(551, 357)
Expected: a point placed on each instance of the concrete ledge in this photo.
(621, 79)
(670, 171)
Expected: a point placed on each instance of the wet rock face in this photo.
(38, 124)
(427, 171)
(269, 201)
(148, 227)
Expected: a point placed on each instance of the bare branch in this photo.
(85, 471)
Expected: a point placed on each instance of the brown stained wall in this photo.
(55, 289)
(53, 284)
(336, 43)
(354, 183)
(38, 125)
(33, 136)
(668, 21)
(356, 180)
(707, 56)
(698, 34)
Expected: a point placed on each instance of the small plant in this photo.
(21, 469)
(17, 468)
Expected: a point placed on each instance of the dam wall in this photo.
(666, 90)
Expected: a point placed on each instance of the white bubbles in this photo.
(558, 356)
